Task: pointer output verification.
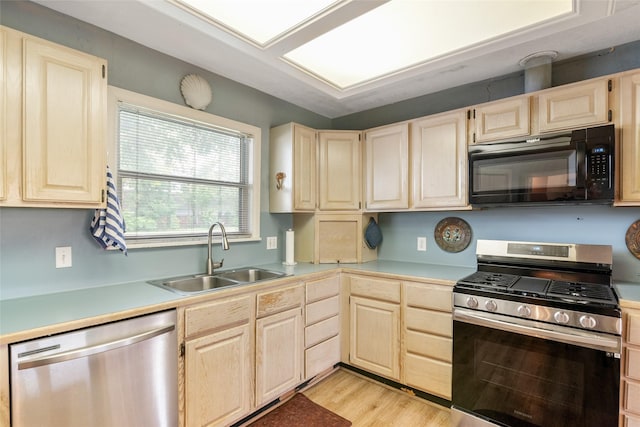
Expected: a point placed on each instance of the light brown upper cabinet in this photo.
(293, 169)
(3, 115)
(387, 167)
(503, 119)
(56, 149)
(582, 104)
(629, 140)
(439, 161)
(340, 170)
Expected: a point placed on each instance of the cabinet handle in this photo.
(280, 176)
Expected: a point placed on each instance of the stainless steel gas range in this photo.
(537, 337)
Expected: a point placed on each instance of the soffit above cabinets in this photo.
(317, 57)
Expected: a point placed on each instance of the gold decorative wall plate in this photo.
(632, 239)
(453, 234)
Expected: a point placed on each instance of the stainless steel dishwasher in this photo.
(118, 374)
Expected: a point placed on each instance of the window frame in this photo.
(116, 95)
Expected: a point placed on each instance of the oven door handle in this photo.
(594, 341)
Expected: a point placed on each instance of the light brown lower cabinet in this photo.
(218, 361)
(279, 342)
(427, 328)
(630, 372)
(322, 325)
(374, 319)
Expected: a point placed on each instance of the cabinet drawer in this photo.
(432, 376)
(433, 297)
(435, 322)
(279, 300)
(321, 331)
(323, 309)
(322, 288)
(632, 397)
(217, 314)
(432, 346)
(321, 357)
(386, 290)
(632, 368)
(633, 328)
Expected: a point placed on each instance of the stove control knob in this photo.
(472, 302)
(491, 305)
(524, 311)
(561, 317)
(587, 322)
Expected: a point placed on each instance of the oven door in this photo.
(520, 375)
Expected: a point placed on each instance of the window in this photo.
(180, 170)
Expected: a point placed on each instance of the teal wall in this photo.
(28, 236)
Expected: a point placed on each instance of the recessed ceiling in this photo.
(342, 57)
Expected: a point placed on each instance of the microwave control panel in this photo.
(598, 164)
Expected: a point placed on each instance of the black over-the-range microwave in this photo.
(574, 167)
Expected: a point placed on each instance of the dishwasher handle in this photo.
(94, 349)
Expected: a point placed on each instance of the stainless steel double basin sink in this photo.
(199, 283)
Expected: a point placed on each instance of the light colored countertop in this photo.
(629, 293)
(30, 317)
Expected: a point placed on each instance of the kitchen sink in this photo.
(193, 284)
(250, 275)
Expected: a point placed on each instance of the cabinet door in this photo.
(3, 116)
(279, 347)
(387, 167)
(502, 119)
(439, 157)
(340, 170)
(218, 377)
(304, 168)
(64, 124)
(629, 155)
(578, 105)
(375, 336)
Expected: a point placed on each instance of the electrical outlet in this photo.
(272, 242)
(63, 257)
(422, 244)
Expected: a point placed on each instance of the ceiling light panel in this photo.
(260, 21)
(404, 33)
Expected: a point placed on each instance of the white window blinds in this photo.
(176, 176)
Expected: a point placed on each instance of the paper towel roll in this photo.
(289, 249)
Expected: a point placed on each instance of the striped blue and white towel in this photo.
(107, 226)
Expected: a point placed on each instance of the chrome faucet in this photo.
(212, 265)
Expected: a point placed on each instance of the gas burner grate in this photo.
(589, 291)
(490, 279)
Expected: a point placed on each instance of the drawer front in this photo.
(431, 346)
(385, 290)
(322, 288)
(321, 331)
(323, 309)
(632, 368)
(321, 357)
(279, 300)
(632, 397)
(434, 322)
(217, 314)
(432, 297)
(633, 328)
(432, 376)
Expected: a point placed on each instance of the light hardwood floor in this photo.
(366, 402)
